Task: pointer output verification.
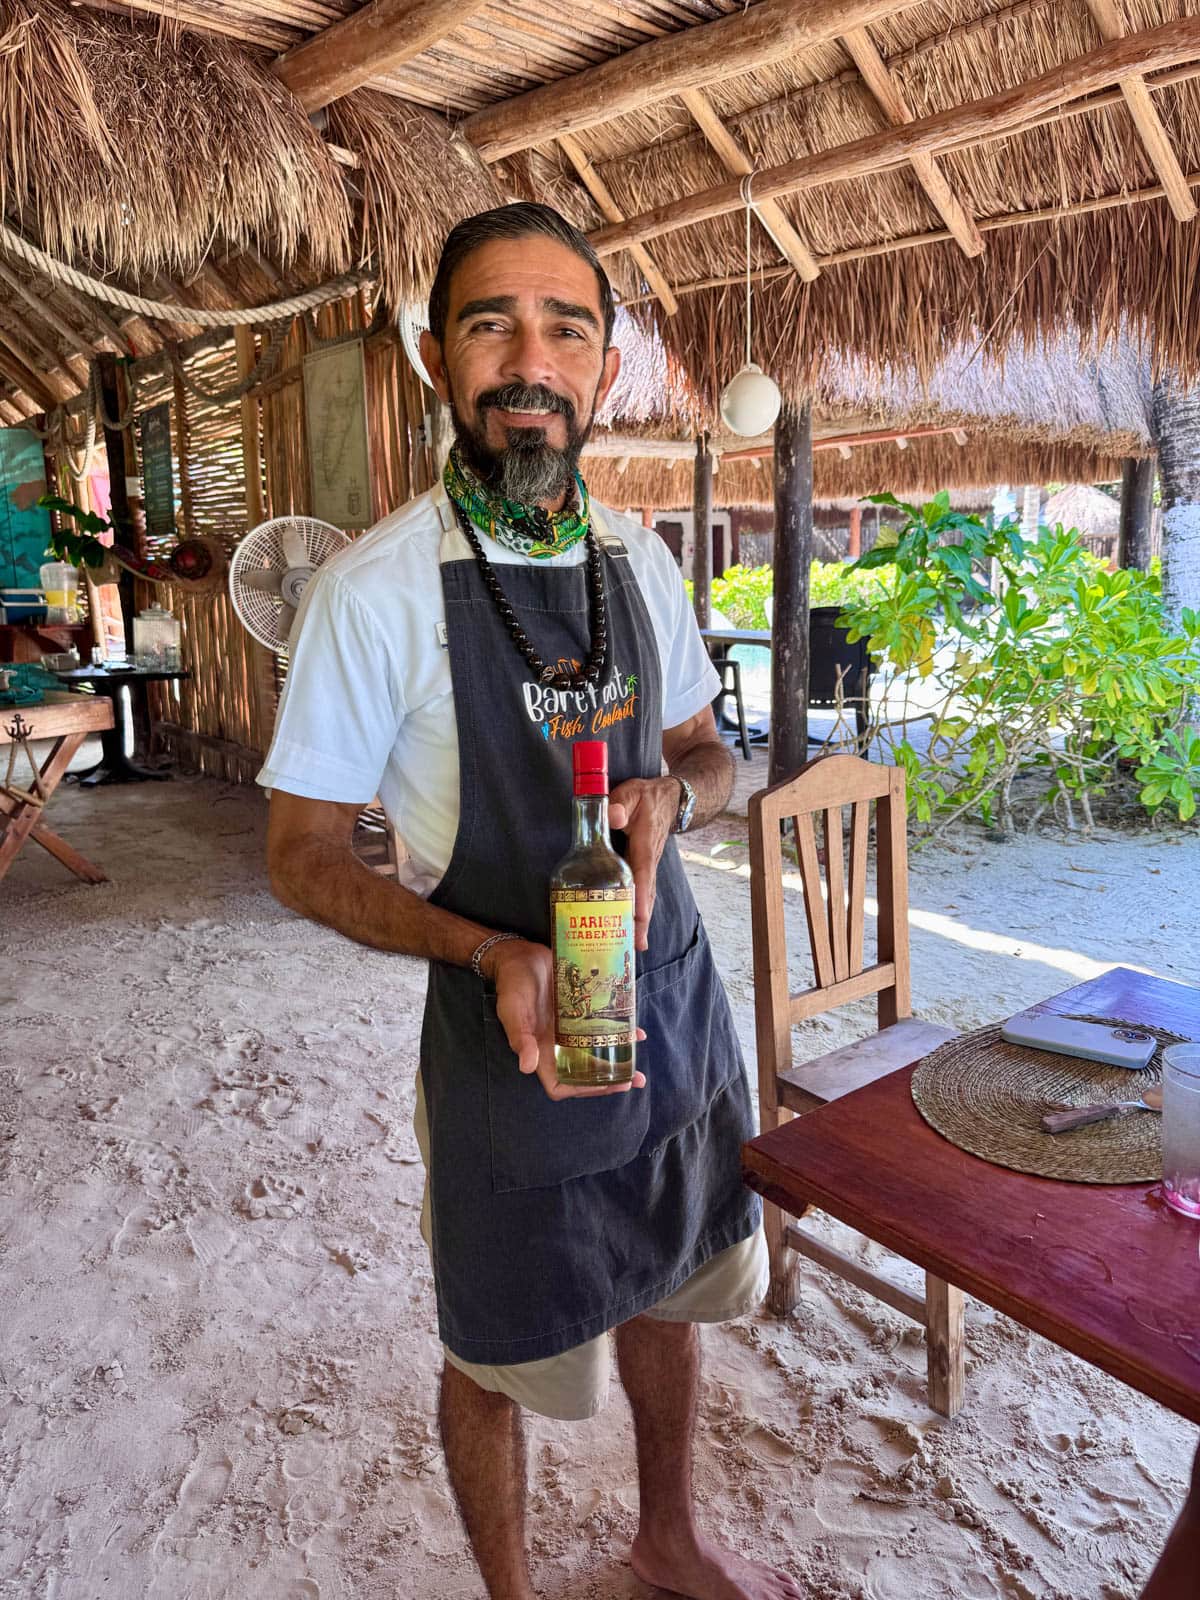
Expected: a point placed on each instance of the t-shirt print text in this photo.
(567, 713)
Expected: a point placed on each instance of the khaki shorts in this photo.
(574, 1384)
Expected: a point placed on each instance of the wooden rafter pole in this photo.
(26, 376)
(19, 396)
(43, 358)
(774, 31)
(917, 241)
(1146, 119)
(845, 441)
(890, 98)
(734, 159)
(75, 339)
(600, 193)
(989, 117)
(95, 312)
(377, 38)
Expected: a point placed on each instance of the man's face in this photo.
(523, 364)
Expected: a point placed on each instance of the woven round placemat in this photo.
(988, 1096)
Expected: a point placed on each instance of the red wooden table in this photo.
(1107, 1271)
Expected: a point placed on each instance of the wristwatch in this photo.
(687, 805)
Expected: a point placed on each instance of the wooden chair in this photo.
(835, 931)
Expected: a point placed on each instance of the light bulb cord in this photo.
(747, 196)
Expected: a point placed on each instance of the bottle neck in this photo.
(591, 819)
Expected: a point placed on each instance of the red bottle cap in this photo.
(590, 761)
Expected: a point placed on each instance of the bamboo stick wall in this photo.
(220, 720)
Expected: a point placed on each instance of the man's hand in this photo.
(524, 977)
(644, 809)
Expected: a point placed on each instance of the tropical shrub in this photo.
(742, 592)
(1028, 660)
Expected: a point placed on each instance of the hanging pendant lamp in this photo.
(750, 401)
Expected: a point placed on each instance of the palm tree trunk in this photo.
(1177, 427)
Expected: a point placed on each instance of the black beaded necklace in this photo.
(593, 668)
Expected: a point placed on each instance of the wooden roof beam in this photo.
(377, 38)
(990, 117)
(734, 159)
(600, 193)
(75, 340)
(773, 31)
(890, 98)
(843, 443)
(1146, 119)
(26, 378)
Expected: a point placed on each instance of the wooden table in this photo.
(1107, 1271)
(67, 719)
(732, 636)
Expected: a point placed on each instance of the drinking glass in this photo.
(1181, 1128)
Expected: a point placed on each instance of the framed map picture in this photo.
(335, 410)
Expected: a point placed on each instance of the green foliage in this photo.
(742, 592)
(80, 549)
(1066, 672)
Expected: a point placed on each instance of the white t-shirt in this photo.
(368, 707)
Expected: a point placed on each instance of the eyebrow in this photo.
(507, 303)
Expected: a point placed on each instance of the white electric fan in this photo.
(269, 571)
(413, 321)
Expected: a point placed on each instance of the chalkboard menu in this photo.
(158, 487)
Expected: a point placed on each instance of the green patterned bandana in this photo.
(527, 530)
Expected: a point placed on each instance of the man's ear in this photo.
(612, 365)
(435, 365)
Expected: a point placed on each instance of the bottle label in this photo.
(593, 967)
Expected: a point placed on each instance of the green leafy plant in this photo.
(1026, 659)
(82, 548)
(742, 592)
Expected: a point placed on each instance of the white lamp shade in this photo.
(751, 401)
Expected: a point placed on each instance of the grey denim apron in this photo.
(555, 1220)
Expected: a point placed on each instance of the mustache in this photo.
(525, 397)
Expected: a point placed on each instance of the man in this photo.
(446, 661)
(1176, 1574)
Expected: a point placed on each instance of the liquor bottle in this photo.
(591, 915)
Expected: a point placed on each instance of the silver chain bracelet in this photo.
(494, 938)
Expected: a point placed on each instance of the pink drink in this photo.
(1181, 1128)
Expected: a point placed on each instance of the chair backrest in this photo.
(834, 902)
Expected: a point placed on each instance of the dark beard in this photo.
(529, 469)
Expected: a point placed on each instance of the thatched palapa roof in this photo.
(926, 176)
(1051, 414)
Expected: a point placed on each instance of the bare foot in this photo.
(705, 1570)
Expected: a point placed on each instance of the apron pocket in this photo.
(538, 1142)
(691, 1052)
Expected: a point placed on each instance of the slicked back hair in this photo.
(517, 221)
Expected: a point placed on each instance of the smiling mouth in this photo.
(528, 411)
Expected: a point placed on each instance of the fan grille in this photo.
(262, 550)
(414, 321)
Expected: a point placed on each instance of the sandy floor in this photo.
(217, 1364)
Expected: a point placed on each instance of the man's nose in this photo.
(529, 358)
